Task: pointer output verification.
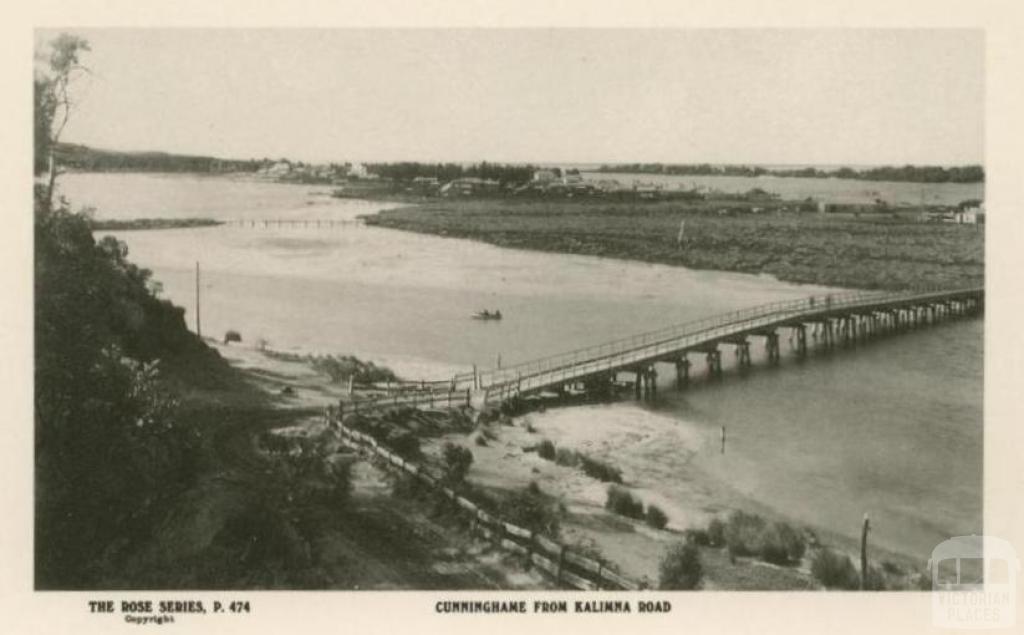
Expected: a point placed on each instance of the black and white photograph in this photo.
(576, 320)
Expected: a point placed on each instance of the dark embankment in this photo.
(870, 251)
(112, 448)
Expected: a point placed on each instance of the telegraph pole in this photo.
(199, 330)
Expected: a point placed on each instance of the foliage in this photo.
(620, 501)
(404, 443)
(271, 540)
(567, 457)
(750, 535)
(744, 533)
(716, 532)
(457, 460)
(835, 570)
(680, 569)
(340, 367)
(906, 173)
(109, 447)
(656, 517)
(546, 450)
(597, 469)
(232, 336)
(529, 509)
(781, 544)
(407, 171)
(698, 537)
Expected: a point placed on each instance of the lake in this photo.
(893, 428)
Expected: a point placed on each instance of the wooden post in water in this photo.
(864, 553)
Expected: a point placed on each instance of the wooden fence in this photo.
(557, 561)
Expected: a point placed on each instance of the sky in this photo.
(811, 96)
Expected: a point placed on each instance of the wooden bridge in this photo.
(842, 319)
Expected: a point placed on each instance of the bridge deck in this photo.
(675, 341)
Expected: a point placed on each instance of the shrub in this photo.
(680, 569)
(716, 532)
(655, 517)
(697, 537)
(621, 502)
(546, 450)
(340, 367)
(408, 486)
(875, 580)
(743, 533)
(566, 457)
(457, 460)
(232, 336)
(403, 443)
(834, 570)
(528, 509)
(599, 470)
(781, 544)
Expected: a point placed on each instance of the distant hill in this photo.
(86, 159)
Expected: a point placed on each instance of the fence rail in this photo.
(556, 560)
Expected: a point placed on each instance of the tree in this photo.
(680, 569)
(54, 101)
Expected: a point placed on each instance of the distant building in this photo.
(469, 186)
(358, 171)
(544, 176)
(970, 213)
(281, 168)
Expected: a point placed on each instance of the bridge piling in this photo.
(801, 340)
(682, 372)
(714, 360)
(771, 344)
(743, 352)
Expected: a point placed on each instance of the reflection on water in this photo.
(893, 429)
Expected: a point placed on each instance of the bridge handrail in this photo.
(779, 309)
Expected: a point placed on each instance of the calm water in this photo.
(894, 428)
(827, 190)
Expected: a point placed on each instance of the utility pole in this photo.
(864, 553)
(199, 330)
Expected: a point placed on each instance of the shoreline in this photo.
(880, 253)
(638, 441)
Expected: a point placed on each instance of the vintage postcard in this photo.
(613, 327)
